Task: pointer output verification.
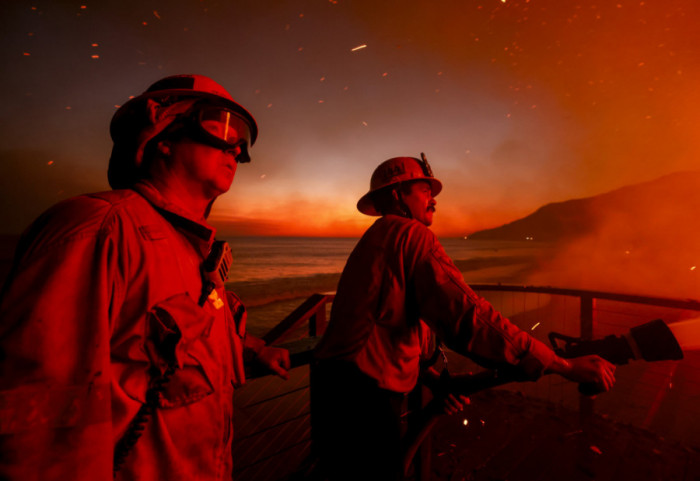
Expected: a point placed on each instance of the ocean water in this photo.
(273, 275)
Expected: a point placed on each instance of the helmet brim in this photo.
(366, 205)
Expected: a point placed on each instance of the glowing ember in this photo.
(687, 333)
(534, 327)
(359, 47)
(596, 450)
(465, 422)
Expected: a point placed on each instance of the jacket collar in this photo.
(175, 214)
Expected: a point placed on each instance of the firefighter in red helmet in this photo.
(399, 290)
(121, 347)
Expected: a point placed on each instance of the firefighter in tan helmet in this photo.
(399, 290)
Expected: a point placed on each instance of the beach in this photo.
(273, 275)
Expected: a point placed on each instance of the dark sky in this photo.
(516, 103)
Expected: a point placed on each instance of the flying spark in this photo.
(534, 327)
(359, 47)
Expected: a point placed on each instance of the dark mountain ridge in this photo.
(671, 202)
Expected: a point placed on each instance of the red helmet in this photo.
(394, 171)
(142, 118)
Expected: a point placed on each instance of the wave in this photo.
(262, 292)
(259, 292)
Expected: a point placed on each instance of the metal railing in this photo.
(272, 438)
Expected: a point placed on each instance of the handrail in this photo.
(313, 310)
(611, 296)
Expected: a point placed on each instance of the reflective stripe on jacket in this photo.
(397, 275)
(103, 296)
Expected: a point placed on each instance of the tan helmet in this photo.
(142, 118)
(394, 171)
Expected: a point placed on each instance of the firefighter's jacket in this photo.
(399, 274)
(103, 298)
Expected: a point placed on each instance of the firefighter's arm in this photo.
(591, 369)
(254, 349)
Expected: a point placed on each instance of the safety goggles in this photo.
(219, 127)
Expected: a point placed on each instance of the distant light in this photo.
(359, 47)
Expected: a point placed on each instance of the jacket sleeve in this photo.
(55, 418)
(467, 323)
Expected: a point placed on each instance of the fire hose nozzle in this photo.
(652, 341)
(656, 342)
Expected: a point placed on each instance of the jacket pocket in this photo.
(176, 343)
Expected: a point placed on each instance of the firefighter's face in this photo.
(205, 169)
(420, 202)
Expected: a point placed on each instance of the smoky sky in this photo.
(515, 103)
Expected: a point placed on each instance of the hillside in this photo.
(672, 201)
(642, 239)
